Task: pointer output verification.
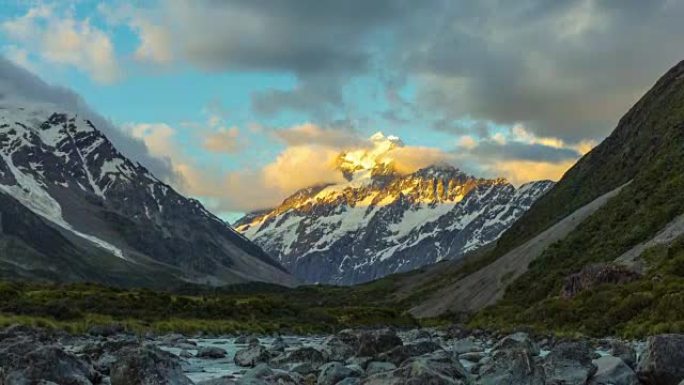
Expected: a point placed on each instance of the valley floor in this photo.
(451, 356)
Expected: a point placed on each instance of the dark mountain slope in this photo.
(119, 224)
(639, 140)
(641, 163)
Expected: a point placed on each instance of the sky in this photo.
(242, 102)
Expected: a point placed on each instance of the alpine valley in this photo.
(381, 221)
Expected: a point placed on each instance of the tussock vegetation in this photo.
(246, 308)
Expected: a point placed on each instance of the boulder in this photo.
(225, 380)
(350, 381)
(278, 345)
(439, 368)
(212, 352)
(473, 357)
(147, 365)
(662, 362)
(457, 332)
(35, 363)
(624, 351)
(594, 275)
(466, 345)
(375, 367)
(264, 375)
(510, 366)
(307, 355)
(251, 356)
(517, 341)
(375, 342)
(401, 353)
(336, 350)
(569, 363)
(613, 371)
(240, 340)
(334, 372)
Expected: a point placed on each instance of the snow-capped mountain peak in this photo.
(369, 161)
(380, 221)
(61, 168)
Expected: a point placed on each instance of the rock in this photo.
(418, 334)
(613, 371)
(302, 355)
(336, 350)
(439, 368)
(173, 339)
(185, 354)
(349, 337)
(350, 381)
(457, 332)
(225, 380)
(625, 352)
(212, 352)
(401, 353)
(517, 341)
(245, 339)
(569, 363)
(375, 367)
(303, 369)
(377, 341)
(251, 356)
(147, 365)
(466, 345)
(361, 361)
(472, 356)
(510, 366)
(263, 375)
(278, 345)
(27, 362)
(594, 275)
(662, 362)
(334, 372)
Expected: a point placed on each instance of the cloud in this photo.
(519, 172)
(518, 155)
(322, 43)
(20, 86)
(302, 166)
(224, 140)
(60, 38)
(564, 69)
(309, 133)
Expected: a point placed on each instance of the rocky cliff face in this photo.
(381, 222)
(115, 215)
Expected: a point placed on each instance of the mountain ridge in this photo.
(61, 168)
(381, 221)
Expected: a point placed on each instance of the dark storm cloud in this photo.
(18, 84)
(323, 43)
(567, 69)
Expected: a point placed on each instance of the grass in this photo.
(255, 309)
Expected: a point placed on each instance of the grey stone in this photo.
(613, 371)
(662, 362)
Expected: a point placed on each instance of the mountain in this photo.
(380, 221)
(72, 208)
(602, 252)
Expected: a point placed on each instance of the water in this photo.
(202, 369)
